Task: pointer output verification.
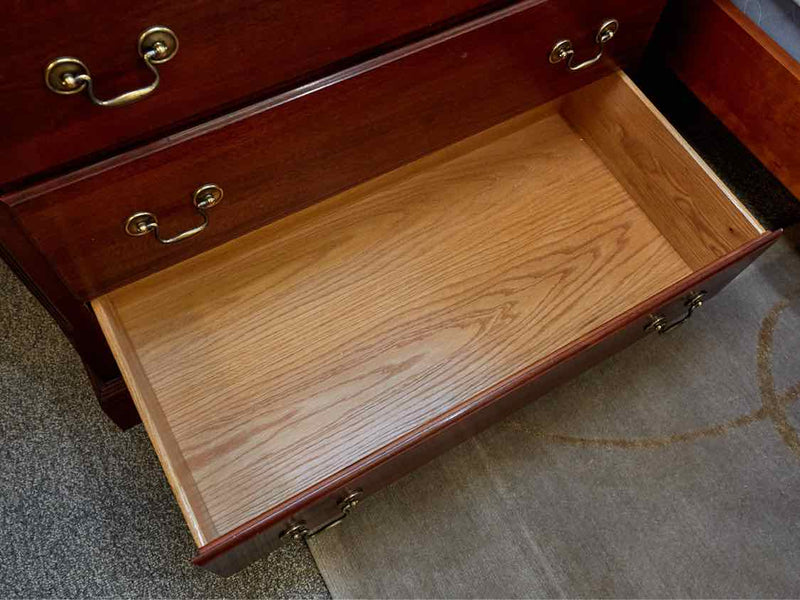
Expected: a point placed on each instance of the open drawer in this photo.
(285, 374)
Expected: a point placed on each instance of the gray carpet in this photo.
(670, 470)
(85, 510)
(779, 18)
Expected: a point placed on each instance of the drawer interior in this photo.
(270, 363)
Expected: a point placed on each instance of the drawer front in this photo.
(282, 155)
(229, 52)
(321, 505)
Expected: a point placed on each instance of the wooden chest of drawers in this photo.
(434, 235)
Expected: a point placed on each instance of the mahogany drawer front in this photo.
(282, 155)
(334, 349)
(228, 53)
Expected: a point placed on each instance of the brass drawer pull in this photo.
(659, 324)
(204, 197)
(563, 50)
(299, 531)
(68, 75)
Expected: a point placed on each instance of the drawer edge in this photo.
(171, 459)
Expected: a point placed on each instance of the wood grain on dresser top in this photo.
(289, 152)
(276, 360)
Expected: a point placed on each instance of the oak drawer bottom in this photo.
(277, 369)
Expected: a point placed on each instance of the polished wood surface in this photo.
(742, 75)
(287, 153)
(684, 198)
(276, 360)
(230, 53)
(235, 550)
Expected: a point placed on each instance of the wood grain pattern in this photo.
(230, 52)
(684, 198)
(748, 80)
(283, 357)
(238, 548)
(282, 155)
(155, 421)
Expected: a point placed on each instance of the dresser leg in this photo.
(75, 318)
(115, 400)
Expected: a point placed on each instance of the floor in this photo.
(85, 509)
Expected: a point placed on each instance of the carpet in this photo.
(780, 19)
(670, 470)
(85, 510)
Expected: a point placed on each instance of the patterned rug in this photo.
(670, 470)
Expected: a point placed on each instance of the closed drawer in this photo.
(228, 52)
(282, 155)
(331, 351)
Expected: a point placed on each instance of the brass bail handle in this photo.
(659, 323)
(564, 50)
(68, 75)
(299, 530)
(203, 198)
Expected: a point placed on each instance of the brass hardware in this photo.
(203, 198)
(68, 75)
(345, 505)
(299, 531)
(296, 531)
(563, 50)
(659, 323)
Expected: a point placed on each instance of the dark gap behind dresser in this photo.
(759, 190)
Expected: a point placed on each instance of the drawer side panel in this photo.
(155, 421)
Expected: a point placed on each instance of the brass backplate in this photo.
(149, 38)
(58, 73)
(207, 195)
(140, 223)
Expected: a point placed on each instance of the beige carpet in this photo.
(671, 470)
